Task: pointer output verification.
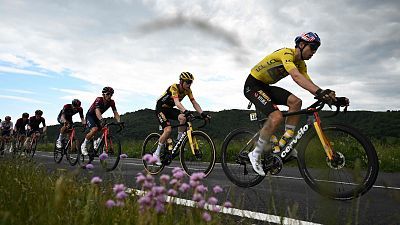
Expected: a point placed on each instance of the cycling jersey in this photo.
(277, 65)
(21, 124)
(167, 99)
(102, 105)
(6, 125)
(35, 122)
(68, 111)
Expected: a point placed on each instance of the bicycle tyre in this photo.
(360, 159)
(58, 153)
(239, 171)
(33, 147)
(149, 147)
(113, 153)
(72, 152)
(195, 163)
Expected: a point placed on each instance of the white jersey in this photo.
(6, 125)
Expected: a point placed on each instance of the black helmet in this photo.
(109, 90)
(39, 112)
(8, 118)
(76, 103)
(186, 76)
(25, 115)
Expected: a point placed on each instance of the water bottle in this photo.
(170, 144)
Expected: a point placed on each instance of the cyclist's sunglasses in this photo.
(188, 81)
(108, 94)
(314, 46)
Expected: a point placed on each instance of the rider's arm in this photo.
(117, 117)
(303, 81)
(44, 125)
(196, 106)
(98, 113)
(179, 105)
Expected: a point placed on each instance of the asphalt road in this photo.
(286, 194)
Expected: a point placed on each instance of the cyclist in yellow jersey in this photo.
(259, 90)
(165, 109)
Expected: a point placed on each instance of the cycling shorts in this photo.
(92, 121)
(165, 114)
(263, 96)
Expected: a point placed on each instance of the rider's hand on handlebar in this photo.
(205, 116)
(188, 114)
(326, 95)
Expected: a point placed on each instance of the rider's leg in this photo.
(163, 138)
(294, 104)
(88, 137)
(61, 136)
(270, 126)
(181, 129)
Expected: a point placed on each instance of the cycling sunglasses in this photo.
(188, 81)
(108, 94)
(314, 46)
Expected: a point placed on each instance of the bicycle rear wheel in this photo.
(72, 151)
(150, 145)
(204, 158)
(32, 148)
(354, 168)
(235, 162)
(113, 152)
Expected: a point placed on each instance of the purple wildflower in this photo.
(110, 203)
(123, 156)
(206, 216)
(201, 188)
(103, 156)
(197, 197)
(194, 183)
(121, 195)
(216, 208)
(144, 201)
(197, 176)
(147, 157)
(172, 192)
(173, 182)
(184, 187)
(140, 178)
(178, 175)
(120, 204)
(158, 190)
(212, 200)
(96, 180)
(176, 169)
(228, 204)
(164, 179)
(118, 188)
(160, 207)
(217, 189)
(89, 166)
(201, 203)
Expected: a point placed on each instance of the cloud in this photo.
(23, 99)
(4, 70)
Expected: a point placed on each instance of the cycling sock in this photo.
(260, 145)
(60, 137)
(159, 147)
(285, 137)
(179, 135)
(290, 127)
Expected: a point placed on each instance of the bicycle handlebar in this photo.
(120, 124)
(191, 119)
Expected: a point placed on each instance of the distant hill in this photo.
(379, 125)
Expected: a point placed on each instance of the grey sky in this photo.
(115, 43)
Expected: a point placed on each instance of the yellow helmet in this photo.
(186, 76)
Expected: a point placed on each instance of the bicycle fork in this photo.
(192, 141)
(326, 144)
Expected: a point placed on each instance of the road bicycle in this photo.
(30, 148)
(6, 145)
(70, 147)
(107, 148)
(18, 143)
(335, 160)
(195, 148)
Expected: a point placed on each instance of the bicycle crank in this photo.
(272, 164)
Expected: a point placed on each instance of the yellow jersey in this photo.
(275, 66)
(167, 99)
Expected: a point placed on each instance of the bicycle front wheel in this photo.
(110, 153)
(73, 152)
(235, 162)
(204, 156)
(150, 145)
(350, 174)
(32, 148)
(57, 153)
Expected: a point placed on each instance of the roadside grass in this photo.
(31, 195)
